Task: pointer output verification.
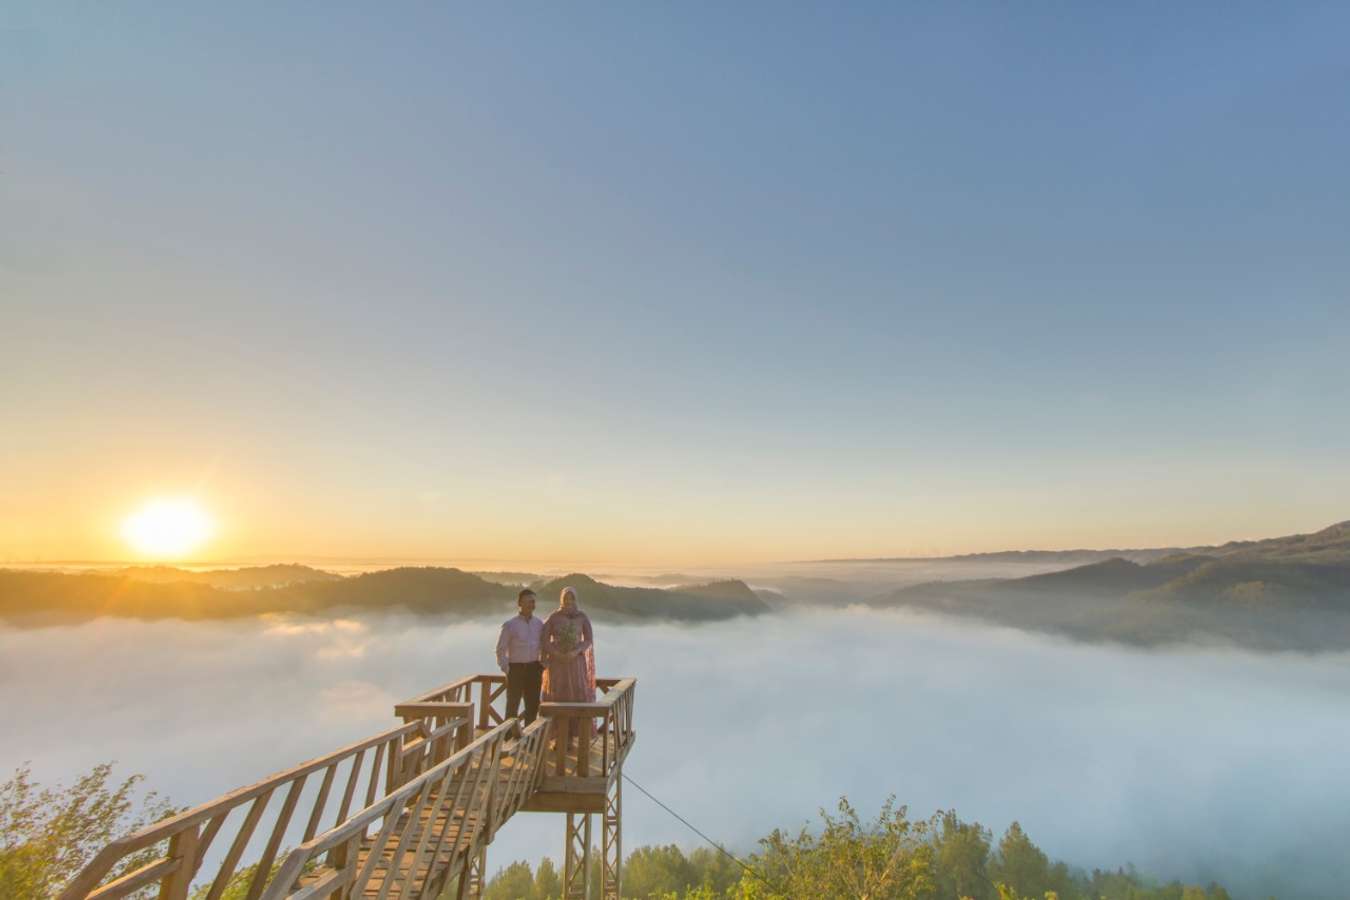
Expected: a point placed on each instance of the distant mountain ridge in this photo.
(1331, 543)
(247, 578)
(1281, 593)
(1289, 592)
(28, 597)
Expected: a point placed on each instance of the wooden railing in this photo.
(577, 721)
(408, 856)
(491, 698)
(431, 764)
(382, 763)
(526, 755)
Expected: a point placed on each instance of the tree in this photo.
(658, 871)
(888, 858)
(713, 869)
(547, 881)
(237, 887)
(47, 835)
(962, 857)
(1020, 864)
(515, 882)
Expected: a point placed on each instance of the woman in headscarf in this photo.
(568, 648)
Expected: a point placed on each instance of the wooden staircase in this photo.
(437, 789)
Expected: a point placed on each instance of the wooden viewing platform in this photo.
(407, 813)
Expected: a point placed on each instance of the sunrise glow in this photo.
(167, 528)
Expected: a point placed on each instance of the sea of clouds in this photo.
(1197, 764)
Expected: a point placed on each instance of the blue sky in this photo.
(674, 282)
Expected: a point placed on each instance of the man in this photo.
(518, 658)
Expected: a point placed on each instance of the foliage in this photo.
(516, 882)
(237, 887)
(889, 858)
(49, 834)
(942, 858)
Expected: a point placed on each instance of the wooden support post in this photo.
(343, 858)
(577, 860)
(477, 874)
(182, 847)
(611, 840)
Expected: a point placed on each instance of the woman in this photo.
(568, 649)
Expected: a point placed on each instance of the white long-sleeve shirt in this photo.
(519, 641)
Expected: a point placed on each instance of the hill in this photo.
(248, 578)
(1331, 544)
(1281, 593)
(718, 600)
(35, 598)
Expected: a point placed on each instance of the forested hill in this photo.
(1282, 593)
(247, 578)
(44, 597)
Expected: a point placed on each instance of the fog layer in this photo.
(1194, 764)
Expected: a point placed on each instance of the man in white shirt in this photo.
(518, 658)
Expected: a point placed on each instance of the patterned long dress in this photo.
(568, 679)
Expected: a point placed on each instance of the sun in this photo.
(167, 528)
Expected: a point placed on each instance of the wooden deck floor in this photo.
(449, 830)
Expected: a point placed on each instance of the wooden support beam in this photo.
(611, 843)
(577, 859)
(183, 849)
(476, 877)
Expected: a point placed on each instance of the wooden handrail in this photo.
(446, 690)
(598, 707)
(614, 709)
(191, 832)
(430, 789)
(433, 761)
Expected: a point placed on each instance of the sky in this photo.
(650, 284)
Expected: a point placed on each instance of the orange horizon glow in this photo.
(85, 522)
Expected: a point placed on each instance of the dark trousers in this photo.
(524, 679)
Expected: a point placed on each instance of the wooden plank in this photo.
(327, 882)
(134, 881)
(319, 803)
(351, 786)
(396, 858)
(571, 784)
(264, 869)
(550, 802)
(182, 849)
(241, 839)
(375, 773)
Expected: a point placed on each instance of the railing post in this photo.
(561, 735)
(182, 847)
(464, 733)
(343, 858)
(604, 742)
(584, 728)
